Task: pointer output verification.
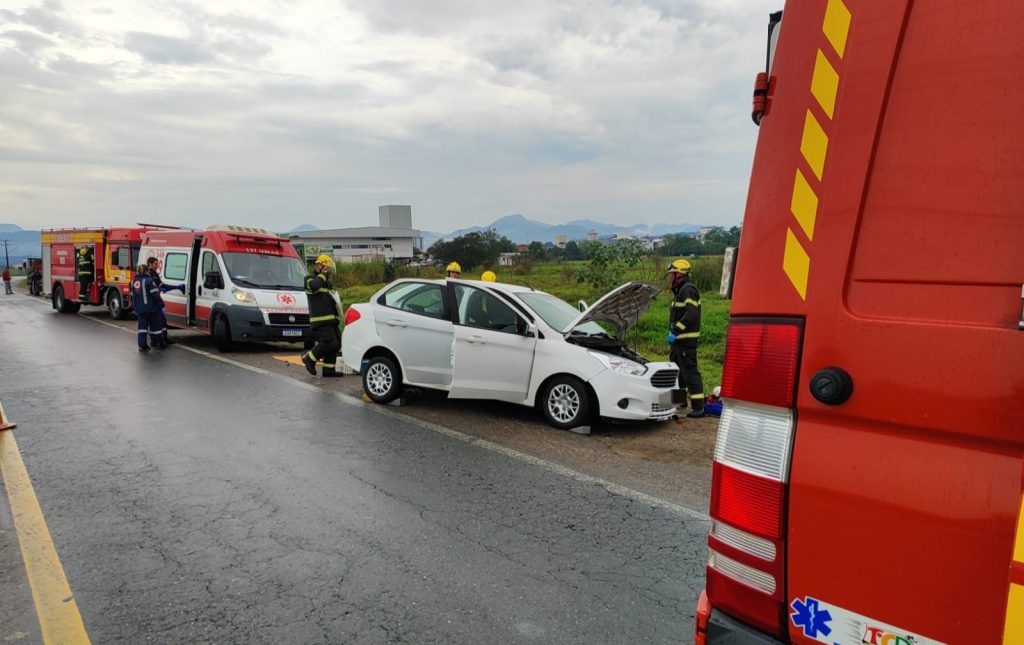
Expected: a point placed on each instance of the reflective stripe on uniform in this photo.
(690, 301)
(692, 334)
(320, 318)
(697, 396)
(681, 327)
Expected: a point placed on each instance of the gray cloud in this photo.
(27, 41)
(165, 49)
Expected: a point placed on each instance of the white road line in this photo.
(617, 489)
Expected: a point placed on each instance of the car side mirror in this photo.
(582, 305)
(213, 280)
(530, 331)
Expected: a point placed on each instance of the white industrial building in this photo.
(393, 239)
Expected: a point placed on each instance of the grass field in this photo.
(358, 282)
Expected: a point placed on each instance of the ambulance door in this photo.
(209, 283)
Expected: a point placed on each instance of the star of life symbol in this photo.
(809, 616)
(285, 298)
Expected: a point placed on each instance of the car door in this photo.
(492, 358)
(410, 319)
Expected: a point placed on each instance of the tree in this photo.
(472, 249)
(536, 251)
(573, 251)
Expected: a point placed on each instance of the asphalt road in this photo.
(191, 499)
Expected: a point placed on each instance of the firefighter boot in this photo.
(331, 372)
(309, 362)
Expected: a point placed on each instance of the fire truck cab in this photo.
(867, 476)
(240, 283)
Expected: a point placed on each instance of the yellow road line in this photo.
(56, 608)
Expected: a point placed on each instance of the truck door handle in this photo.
(831, 385)
(476, 340)
(397, 323)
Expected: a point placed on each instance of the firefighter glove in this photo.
(671, 338)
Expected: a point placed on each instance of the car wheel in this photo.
(382, 381)
(61, 304)
(565, 402)
(115, 305)
(222, 333)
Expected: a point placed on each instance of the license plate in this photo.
(291, 332)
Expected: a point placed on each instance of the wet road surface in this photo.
(191, 499)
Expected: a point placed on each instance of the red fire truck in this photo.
(91, 266)
(867, 477)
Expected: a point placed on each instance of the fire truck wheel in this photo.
(221, 333)
(115, 305)
(61, 304)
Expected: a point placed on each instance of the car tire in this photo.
(61, 304)
(222, 333)
(565, 402)
(382, 381)
(115, 305)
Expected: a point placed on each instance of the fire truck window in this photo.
(134, 259)
(174, 266)
(121, 257)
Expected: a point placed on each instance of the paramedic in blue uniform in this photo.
(153, 266)
(147, 304)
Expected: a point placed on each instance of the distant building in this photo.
(509, 259)
(522, 248)
(592, 235)
(560, 241)
(393, 239)
(703, 232)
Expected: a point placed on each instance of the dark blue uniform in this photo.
(148, 306)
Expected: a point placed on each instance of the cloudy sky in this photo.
(278, 113)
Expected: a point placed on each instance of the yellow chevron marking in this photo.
(804, 205)
(836, 25)
(825, 84)
(796, 263)
(814, 145)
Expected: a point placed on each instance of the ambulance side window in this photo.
(210, 264)
(174, 266)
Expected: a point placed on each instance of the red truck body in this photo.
(868, 473)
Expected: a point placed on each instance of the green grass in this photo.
(558, 278)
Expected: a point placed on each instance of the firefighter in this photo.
(488, 276)
(454, 270)
(684, 334)
(86, 272)
(147, 304)
(324, 318)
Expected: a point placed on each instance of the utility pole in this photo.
(7, 257)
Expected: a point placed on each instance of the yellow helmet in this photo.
(679, 266)
(454, 266)
(82, 251)
(488, 276)
(327, 261)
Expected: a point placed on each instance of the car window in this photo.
(415, 297)
(478, 308)
(557, 313)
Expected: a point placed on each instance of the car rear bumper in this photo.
(717, 628)
(631, 398)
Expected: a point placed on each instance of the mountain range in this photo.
(21, 244)
(522, 230)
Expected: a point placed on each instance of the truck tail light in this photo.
(750, 473)
(351, 315)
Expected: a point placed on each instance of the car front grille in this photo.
(664, 378)
(289, 320)
(660, 412)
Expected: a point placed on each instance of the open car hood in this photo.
(621, 307)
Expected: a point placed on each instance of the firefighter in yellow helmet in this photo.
(324, 318)
(488, 276)
(86, 272)
(454, 270)
(684, 333)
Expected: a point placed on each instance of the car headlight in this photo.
(620, 365)
(243, 296)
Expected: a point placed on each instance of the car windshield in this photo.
(557, 313)
(265, 271)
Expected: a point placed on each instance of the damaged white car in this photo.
(486, 340)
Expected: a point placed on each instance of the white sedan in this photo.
(486, 340)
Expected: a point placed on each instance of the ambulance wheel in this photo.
(382, 381)
(61, 304)
(222, 333)
(115, 305)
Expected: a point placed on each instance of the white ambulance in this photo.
(241, 283)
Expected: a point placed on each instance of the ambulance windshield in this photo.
(265, 271)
